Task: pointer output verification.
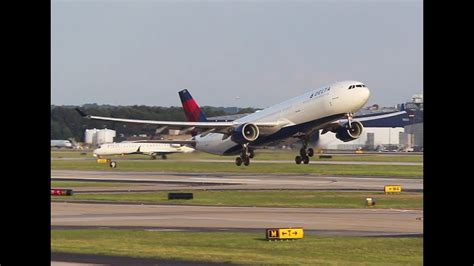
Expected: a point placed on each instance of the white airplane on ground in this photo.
(329, 108)
(61, 143)
(151, 149)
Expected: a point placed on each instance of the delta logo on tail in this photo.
(191, 109)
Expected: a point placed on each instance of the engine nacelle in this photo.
(245, 133)
(346, 134)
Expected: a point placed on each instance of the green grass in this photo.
(241, 248)
(260, 155)
(290, 155)
(267, 168)
(63, 184)
(282, 198)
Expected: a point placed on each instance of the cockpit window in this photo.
(354, 86)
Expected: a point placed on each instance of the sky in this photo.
(232, 53)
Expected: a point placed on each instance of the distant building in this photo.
(370, 139)
(416, 130)
(406, 139)
(391, 128)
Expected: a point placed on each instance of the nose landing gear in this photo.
(113, 164)
(349, 119)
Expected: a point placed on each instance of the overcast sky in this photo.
(239, 53)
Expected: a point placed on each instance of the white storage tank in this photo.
(417, 98)
(104, 136)
(89, 136)
(174, 132)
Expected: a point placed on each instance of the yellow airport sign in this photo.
(284, 233)
(103, 160)
(392, 189)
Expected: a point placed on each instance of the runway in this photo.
(253, 161)
(321, 221)
(344, 220)
(169, 181)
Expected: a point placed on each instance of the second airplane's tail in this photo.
(191, 109)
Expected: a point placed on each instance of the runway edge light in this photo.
(370, 201)
(284, 233)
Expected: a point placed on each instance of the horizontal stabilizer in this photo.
(82, 113)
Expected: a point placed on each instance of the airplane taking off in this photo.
(151, 149)
(329, 108)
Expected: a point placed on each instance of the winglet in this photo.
(82, 113)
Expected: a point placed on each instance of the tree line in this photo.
(67, 123)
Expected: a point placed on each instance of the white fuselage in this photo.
(60, 143)
(312, 109)
(140, 148)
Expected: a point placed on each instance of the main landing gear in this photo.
(305, 153)
(245, 156)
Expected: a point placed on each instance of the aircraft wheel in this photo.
(310, 152)
(153, 157)
(298, 159)
(164, 157)
(113, 164)
(252, 154)
(246, 161)
(306, 160)
(238, 161)
(303, 152)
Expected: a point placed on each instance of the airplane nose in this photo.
(365, 94)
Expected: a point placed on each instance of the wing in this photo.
(372, 120)
(216, 127)
(167, 141)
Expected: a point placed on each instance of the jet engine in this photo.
(346, 133)
(245, 133)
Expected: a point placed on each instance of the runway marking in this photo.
(166, 230)
(224, 179)
(400, 210)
